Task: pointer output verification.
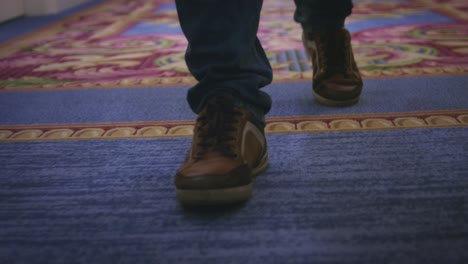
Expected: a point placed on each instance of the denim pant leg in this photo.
(322, 15)
(224, 54)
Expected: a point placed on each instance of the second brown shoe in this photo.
(228, 149)
(336, 78)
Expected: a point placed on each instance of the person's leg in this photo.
(336, 79)
(322, 15)
(224, 53)
(225, 56)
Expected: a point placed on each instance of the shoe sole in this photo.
(221, 196)
(330, 102)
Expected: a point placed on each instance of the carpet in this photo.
(94, 124)
(355, 197)
(122, 43)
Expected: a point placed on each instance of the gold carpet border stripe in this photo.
(285, 125)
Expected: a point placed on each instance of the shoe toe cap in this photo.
(339, 88)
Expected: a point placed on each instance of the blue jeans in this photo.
(224, 53)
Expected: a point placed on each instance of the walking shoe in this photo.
(228, 149)
(336, 78)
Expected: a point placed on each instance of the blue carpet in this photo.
(289, 99)
(364, 197)
(410, 19)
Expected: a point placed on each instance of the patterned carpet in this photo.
(93, 125)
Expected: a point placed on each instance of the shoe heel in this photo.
(262, 166)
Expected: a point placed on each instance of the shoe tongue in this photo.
(335, 48)
(228, 101)
(335, 39)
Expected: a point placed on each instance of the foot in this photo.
(228, 149)
(336, 78)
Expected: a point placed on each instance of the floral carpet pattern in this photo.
(134, 43)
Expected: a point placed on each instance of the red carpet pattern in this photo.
(132, 43)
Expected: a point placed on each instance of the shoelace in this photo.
(214, 126)
(334, 55)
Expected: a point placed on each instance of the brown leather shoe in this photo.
(336, 79)
(227, 151)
